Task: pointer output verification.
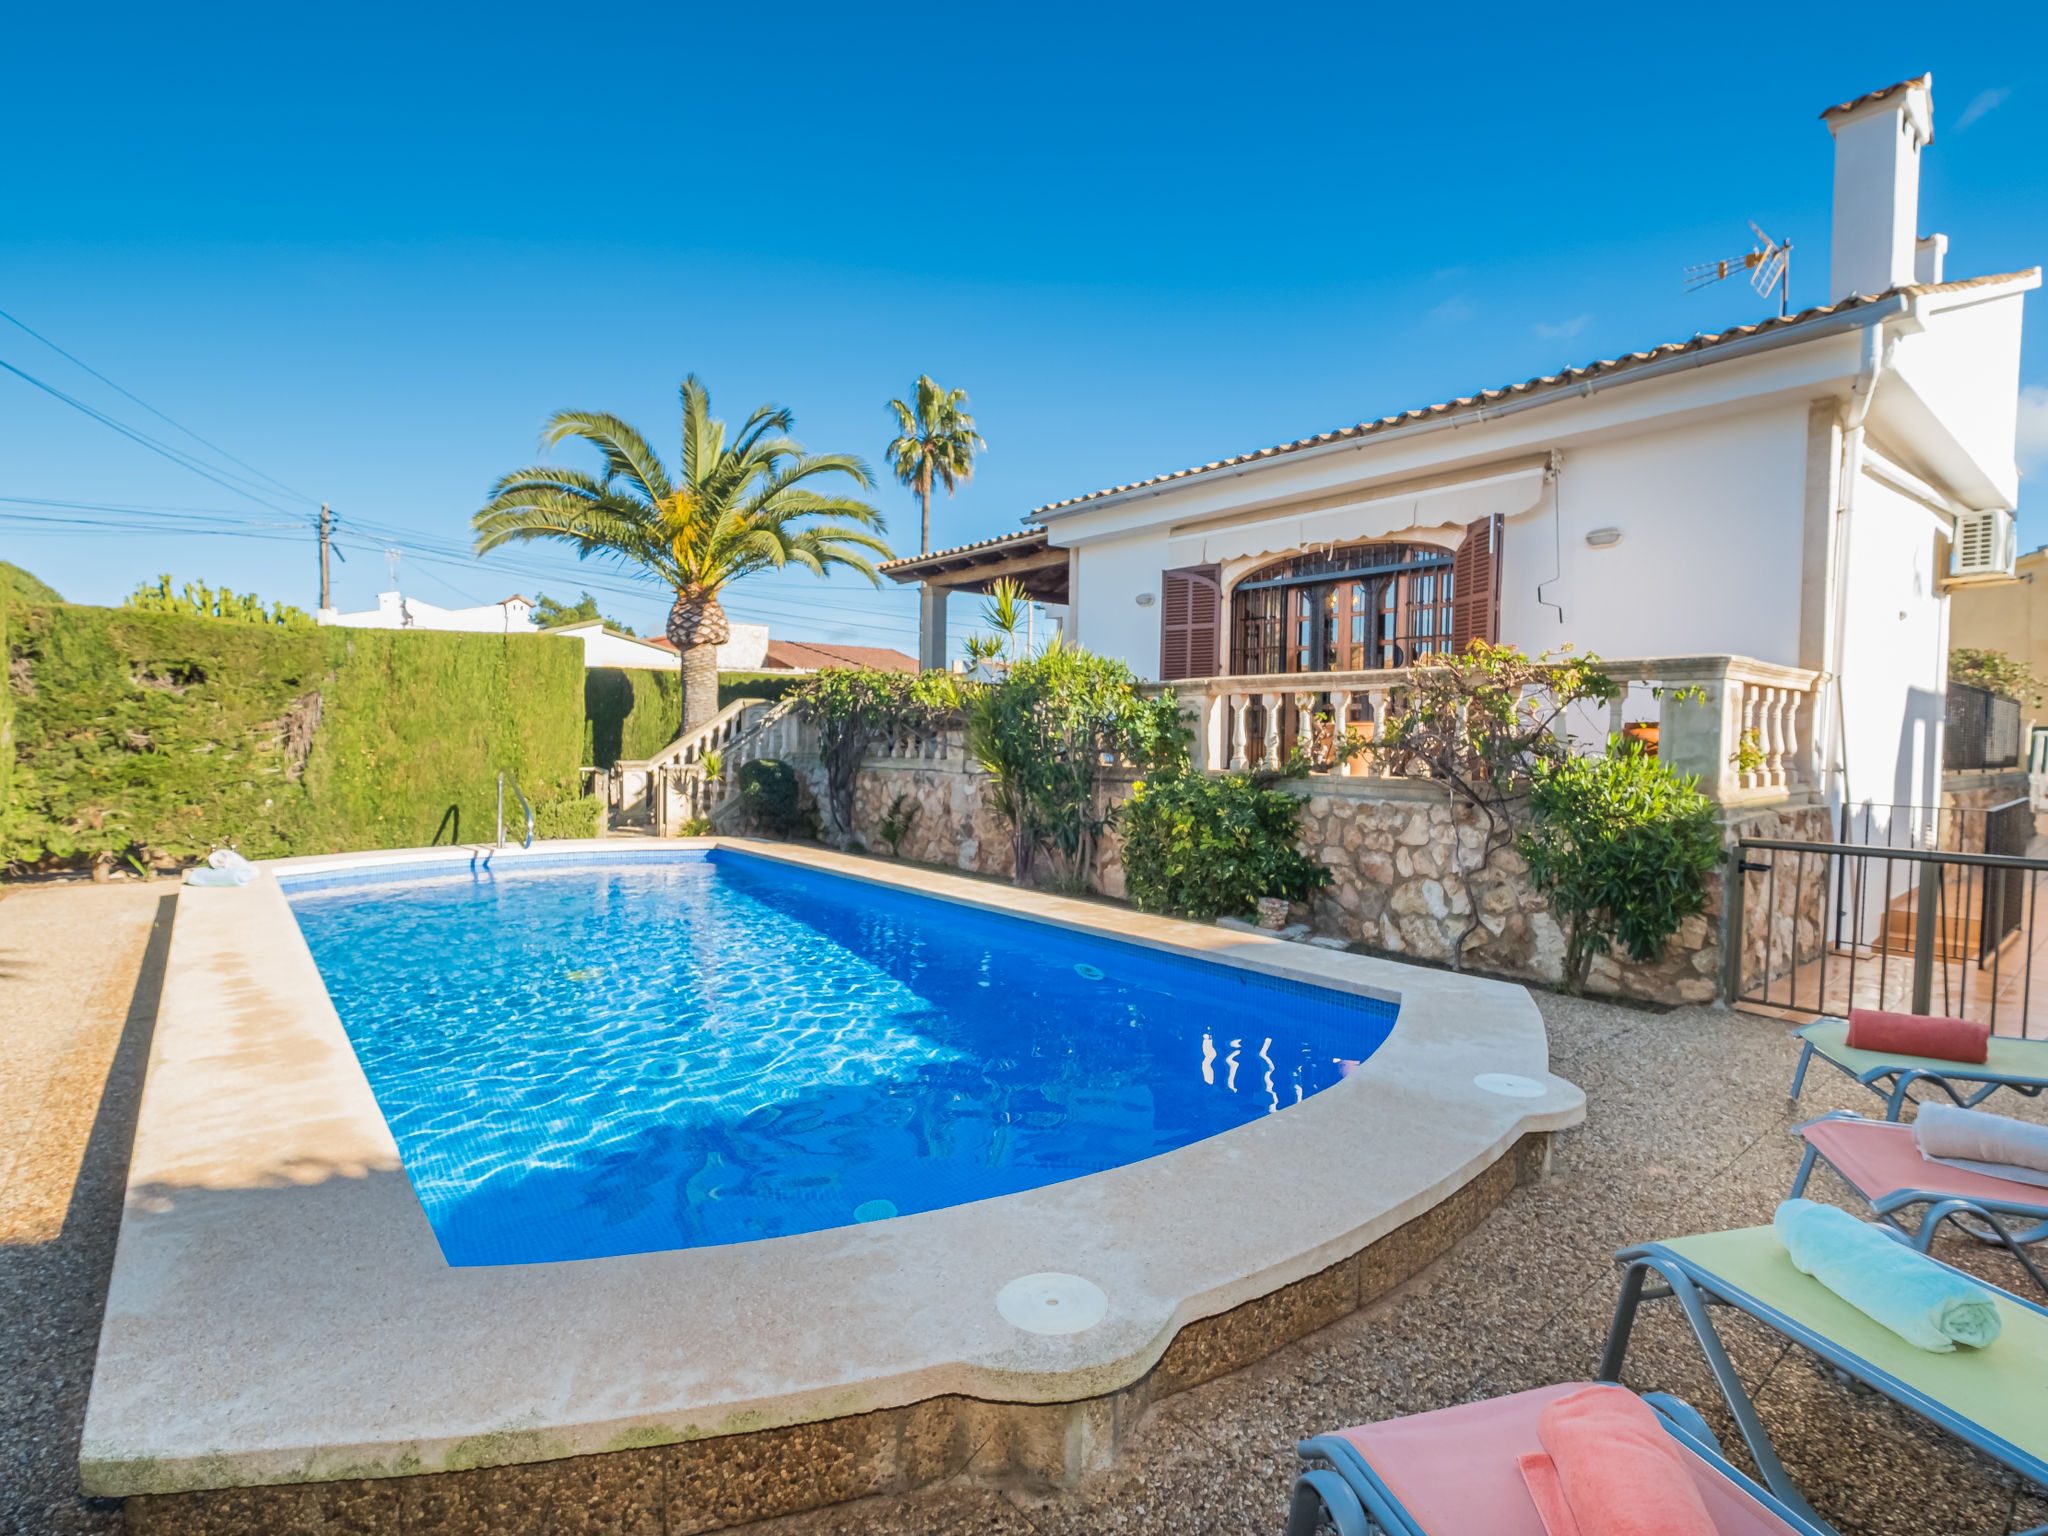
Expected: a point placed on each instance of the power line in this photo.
(63, 518)
(118, 389)
(182, 460)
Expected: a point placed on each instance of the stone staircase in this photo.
(660, 795)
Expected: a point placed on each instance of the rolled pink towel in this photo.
(1982, 1142)
(1912, 1034)
(1610, 1468)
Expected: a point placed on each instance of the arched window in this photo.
(1356, 609)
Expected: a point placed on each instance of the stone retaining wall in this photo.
(1405, 861)
(1395, 849)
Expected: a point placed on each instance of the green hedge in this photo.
(635, 711)
(157, 734)
(756, 685)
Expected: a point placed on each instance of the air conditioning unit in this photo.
(1985, 548)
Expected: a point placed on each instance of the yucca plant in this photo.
(737, 507)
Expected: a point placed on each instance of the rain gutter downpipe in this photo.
(1877, 355)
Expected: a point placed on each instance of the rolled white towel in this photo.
(1977, 1140)
(1925, 1303)
(223, 866)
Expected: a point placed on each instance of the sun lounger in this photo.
(1994, 1399)
(1878, 1159)
(1454, 1473)
(2018, 1065)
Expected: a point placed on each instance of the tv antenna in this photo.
(1768, 263)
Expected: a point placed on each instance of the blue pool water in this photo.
(601, 1058)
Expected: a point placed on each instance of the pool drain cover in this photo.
(1509, 1086)
(1052, 1303)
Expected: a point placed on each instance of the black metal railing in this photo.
(1982, 730)
(2004, 829)
(1916, 930)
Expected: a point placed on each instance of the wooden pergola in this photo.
(1029, 558)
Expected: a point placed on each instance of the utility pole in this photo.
(326, 532)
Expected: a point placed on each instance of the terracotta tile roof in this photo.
(1548, 382)
(805, 656)
(1028, 536)
(1925, 82)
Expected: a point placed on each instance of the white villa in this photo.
(1778, 511)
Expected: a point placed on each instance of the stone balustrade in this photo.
(1744, 727)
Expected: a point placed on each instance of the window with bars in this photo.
(1348, 610)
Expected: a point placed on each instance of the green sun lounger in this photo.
(2018, 1065)
(1994, 1399)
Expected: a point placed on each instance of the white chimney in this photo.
(1929, 252)
(1878, 139)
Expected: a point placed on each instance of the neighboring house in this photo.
(806, 656)
(604, 646)
(1801, 492)
(513, 616)
(2011, 619)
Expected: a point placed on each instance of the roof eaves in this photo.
(977, 547)
(1558, 382)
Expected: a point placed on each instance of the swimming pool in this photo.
(581, 1059)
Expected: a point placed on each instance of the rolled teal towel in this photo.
(1923, 1302)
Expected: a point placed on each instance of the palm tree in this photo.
(934, 440)
(738, 507)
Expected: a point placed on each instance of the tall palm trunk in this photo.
(924, 537)
(697, 627)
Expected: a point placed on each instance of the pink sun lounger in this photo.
(1880, 1161)
(1457, 1472)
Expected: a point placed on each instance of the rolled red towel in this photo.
(1912, 1034)
(1612, 1470)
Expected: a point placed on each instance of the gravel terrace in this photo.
(1686, 1132)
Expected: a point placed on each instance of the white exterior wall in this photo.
(393, 611)
(1894, 651)
(746, 650)
(1962, 377)
(602, 648)
(1108, 618)
(1711, 514)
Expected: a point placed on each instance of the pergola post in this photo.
(931, 627)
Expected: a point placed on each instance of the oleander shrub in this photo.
(1049, 733)
(1621, 847)
(772, 797)
(1208, 845)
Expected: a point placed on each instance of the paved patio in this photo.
(1686, 1131)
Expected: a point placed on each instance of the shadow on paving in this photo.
(52, 1293)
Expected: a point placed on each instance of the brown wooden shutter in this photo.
(1190, 623)
(1475, 576)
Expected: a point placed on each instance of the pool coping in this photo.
(279, 1311)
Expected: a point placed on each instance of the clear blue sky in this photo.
(368, 251)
